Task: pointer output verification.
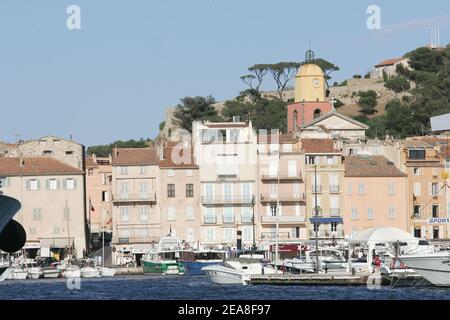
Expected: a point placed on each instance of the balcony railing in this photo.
(334, 188)
(335, 212)
(283, 219)
(316, 189)
(228, 219)
(272, 236)
(284, 197)
(134, 197)
(227, 199)
(133, 239)
(283, 175)
(210, 220)
(246, 219)
(326, 234)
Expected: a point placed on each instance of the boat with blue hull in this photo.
(194, 261)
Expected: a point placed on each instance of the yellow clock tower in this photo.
(310, 82)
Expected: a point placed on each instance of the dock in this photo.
(345, 279)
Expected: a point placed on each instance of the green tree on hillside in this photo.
(105, 150)
(367, 101)
(258, 72)
(264, 113)
(195, 108)
(397, 84)
(282, 73)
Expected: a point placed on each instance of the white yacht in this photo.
(4, 265)
(106, 272)
(71, 271)
(237, 271)
(50, 272)
(34, 271)
(434, 267)
(16, 273)
(329, 258)
(90, 272)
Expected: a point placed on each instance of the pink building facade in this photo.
(375, 194)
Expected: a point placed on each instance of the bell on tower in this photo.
(309, 56)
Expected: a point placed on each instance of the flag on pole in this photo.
(91, 207)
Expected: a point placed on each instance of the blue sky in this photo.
(114, 78)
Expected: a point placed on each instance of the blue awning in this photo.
(326, 220)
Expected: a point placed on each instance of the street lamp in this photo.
(316, 222)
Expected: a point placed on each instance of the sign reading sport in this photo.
(438, 220)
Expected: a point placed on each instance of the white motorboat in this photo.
(329, 259)
(434, 267)
(236, 272)
(71, 272)
(16, 273)
(106, 272)
(50, 273)
(90, 272)
(3, 268)
(34, 271)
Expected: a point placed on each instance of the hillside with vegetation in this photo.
(403, 108)
(428, 96)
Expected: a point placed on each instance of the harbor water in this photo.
(200, 288)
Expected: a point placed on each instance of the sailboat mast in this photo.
(316, 222)
(68, 231)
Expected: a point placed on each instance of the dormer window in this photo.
(417, 154)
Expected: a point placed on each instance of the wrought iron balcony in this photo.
(316, 188)
(284, 197)
(209, 219)
(227, 199)
(246, 219)
(134, 197)
(334, 188)
(326, 234)
(133, 239)
(283, 175)
(228, 219)
(283, 219)
(271, 236)
(335, 212)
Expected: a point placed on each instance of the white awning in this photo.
(56, 242)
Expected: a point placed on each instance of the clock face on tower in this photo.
(316, 83)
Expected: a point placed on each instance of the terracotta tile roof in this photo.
(417, 144)
(90, 162)
(370, 166)
(319, 146)
(10, 166)
(171, 160)
(134, 156)
(282, 138)
(388, 62)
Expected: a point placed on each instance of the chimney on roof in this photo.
(161, 153)
(236, 119)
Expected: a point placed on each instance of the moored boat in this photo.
(237, 272)
(163, 259)
(193, 261)
(89, 272)
(106, 272)
(434, 267)
(16, 273)
(50, 272)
